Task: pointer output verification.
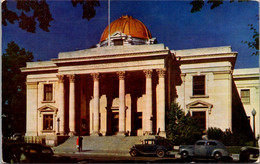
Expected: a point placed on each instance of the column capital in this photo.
(121, 75)
(95, 76)
(60, 78)
(161, 72)
(72, 78)
(148, 73)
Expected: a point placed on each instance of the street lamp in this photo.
(58, 126)
(253, 114)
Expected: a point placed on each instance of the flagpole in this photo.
(108, 22)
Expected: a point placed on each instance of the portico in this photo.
(112, 94)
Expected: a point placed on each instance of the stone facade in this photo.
(126, 88)
(247, 81)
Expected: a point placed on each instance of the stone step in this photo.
(103, 143)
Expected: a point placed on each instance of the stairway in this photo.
(101, 143)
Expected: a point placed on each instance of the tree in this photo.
(255, 43)
(198, 4)
(13, 88)
(181, 128)
(28, 13)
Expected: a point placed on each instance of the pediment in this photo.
(47, 108)
(199, 104)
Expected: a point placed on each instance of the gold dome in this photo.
(129, 26)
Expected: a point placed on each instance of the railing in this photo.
(35, 139)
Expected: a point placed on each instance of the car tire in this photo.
(133, 153)
(184, 155)
(217, 155)
(160, 153)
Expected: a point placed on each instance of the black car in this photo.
(149, 147)
(26, 153)
(248, 154)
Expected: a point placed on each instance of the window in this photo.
(245, 95)
(200, 143)
(48, 122)
(198, 85)
(212, 143)
(118, 42)
(47, 92)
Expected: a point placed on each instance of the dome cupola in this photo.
(126, 31)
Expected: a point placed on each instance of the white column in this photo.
(161, 103)
(96, 103)
(72, 105)
(61, 105)
(121, 76)
(148, 122)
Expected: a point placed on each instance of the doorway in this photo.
(115, 122)
(200, 117)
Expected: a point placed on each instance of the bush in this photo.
(227, 138)
(215, 133)
(181, 128)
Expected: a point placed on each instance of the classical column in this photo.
(96, 103)
(121, 76)
(72, 105)
(148, 122)
(61, 104)
(161, 103)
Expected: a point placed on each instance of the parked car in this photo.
(248, 154)
(204, 148)
(17, 137)
(149, 147)
(26, 153)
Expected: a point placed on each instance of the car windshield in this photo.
(149, 142)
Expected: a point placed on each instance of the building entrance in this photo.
(200, 116)
(115, 122)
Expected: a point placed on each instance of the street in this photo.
(94, 158)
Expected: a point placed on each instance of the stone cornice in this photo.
(206, 56)
(112, 56)
(35, 69)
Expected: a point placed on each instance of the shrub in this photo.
(215, 134)
(181, 128)
(227, 138)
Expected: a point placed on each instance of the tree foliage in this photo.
(28, 13)
(255, 43)
(88, 7)
(13, 87)
(228, 138)
(198, 4)
(181, 128)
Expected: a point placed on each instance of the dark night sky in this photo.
(171, 22)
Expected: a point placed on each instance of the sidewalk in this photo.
(96, 152)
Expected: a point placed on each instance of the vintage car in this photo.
(26, 153)
(204, 148)
(248, 154)
(149, 147)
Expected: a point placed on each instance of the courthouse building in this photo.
(125, 85)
